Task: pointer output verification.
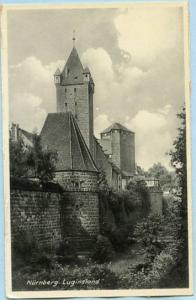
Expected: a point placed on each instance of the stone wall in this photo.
(38, 214)
(78, 99)
(51, 217)
(77, 180)
(102, 161)
(127, 151)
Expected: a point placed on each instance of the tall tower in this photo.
(74, 93)
(118, 142)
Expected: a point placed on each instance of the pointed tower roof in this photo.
(73, 70)
(86, 70)
(58, 72)
(61, 133)
(116, 126)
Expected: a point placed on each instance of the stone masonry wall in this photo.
(78, 99)
(81, 208)
(52, 217)
(77, 180)
(38, 214)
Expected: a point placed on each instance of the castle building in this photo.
(81, 158)
(114, 152)
(74, 92)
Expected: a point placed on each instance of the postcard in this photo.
(97, 149)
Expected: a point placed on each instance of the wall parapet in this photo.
(26, 184)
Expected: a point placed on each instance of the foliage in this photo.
(42, 162)
(60, 277)
(18, 157)
(160, 267)
(23, 247)
(139, 192)
(120, 236)
(31, 161)
(66, 252)
(147, 232)
(28, 184)
(159, 172)
(103, 250)
(178, 161)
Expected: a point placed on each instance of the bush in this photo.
(23, 248)
(152, 275)
(120, 237)
(103, 251)
(67, 278)
(66, 252)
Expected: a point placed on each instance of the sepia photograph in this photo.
(97, 148)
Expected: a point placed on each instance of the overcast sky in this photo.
(136, 59)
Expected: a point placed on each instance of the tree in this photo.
(41, 162)
(178, 161)
(32, 161)
(159, 172)
(18, 157)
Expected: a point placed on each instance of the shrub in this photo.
(66, 252)
(23, 248)
(120, 236)
(67, 278)
(103, 251)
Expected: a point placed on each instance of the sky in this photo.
(135, 56)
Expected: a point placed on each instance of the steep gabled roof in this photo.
(116, 126)
(61, 133)
(73, 70)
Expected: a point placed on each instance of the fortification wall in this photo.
(83, 181)
(51, 217)
(38, 214)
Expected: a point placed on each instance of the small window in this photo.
(76, 185)
(75, 103)
(75, 90)
(65, 91)
(68, 71)
(76, 116)
(65, 104)
(76, 77)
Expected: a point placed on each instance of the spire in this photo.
(74, 38)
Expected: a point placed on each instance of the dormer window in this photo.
(57, 79)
